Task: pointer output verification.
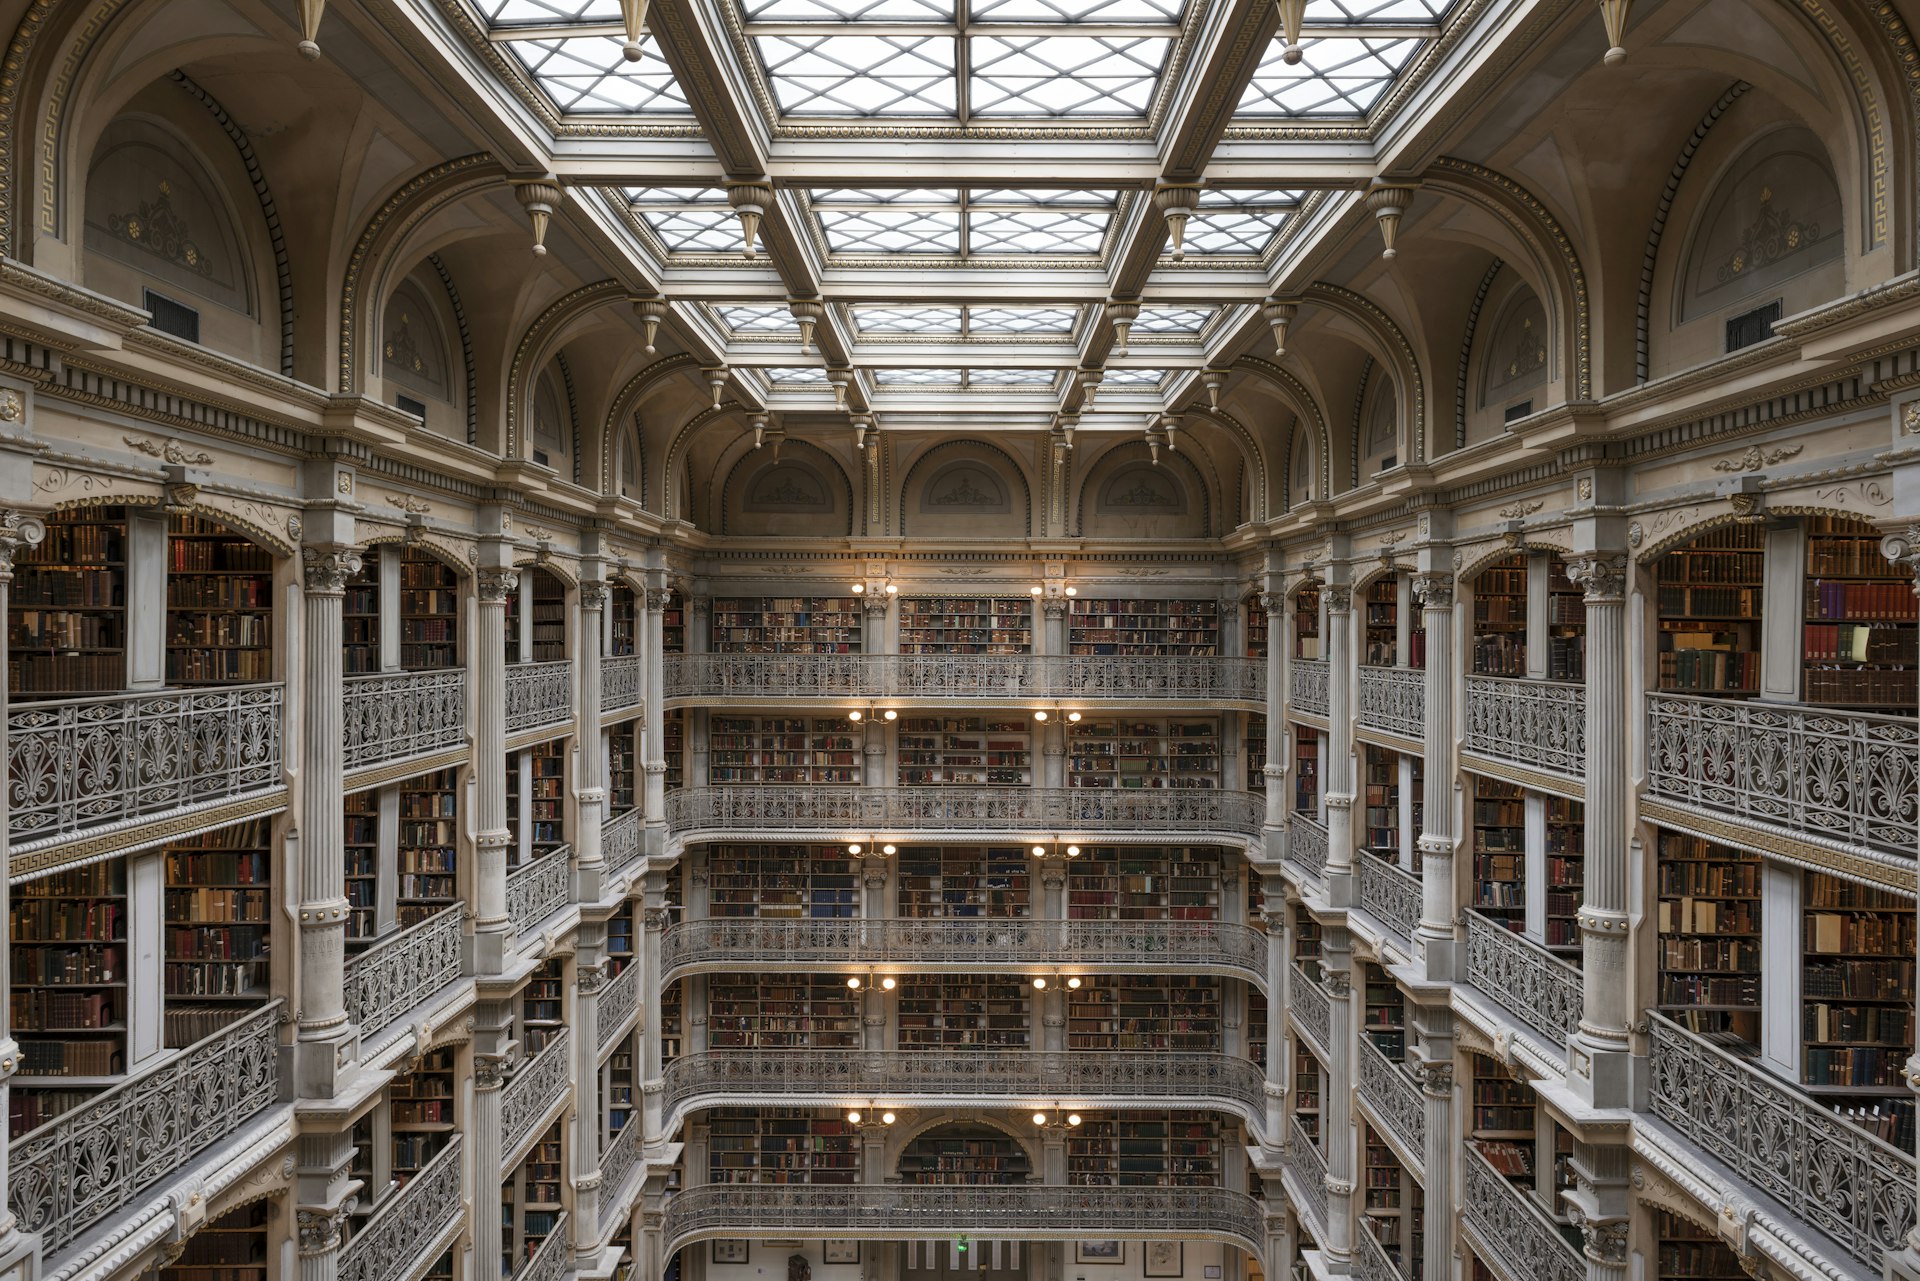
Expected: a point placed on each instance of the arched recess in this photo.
(1376, 417)
(1308, 413)
(955, 485)
(803, 493)
(1508, 367)
(1300, 468)
(1124, 494)
(1477, 558)
(536, 346)
(902, 1136)
(631, 481)
(425, 544)
(553, 437)
(417, 357)
(623, 410)
(1388, 346)
(1250, 454)
(675, 481)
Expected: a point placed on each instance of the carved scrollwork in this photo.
(493, 586)
(1339, 599)
(1434, 590)
(17, 530)
(1603, 577)
(593, 596)
(327, 569)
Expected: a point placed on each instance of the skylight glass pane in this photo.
(1172, 320)
(674, 197)
(1231, 232)
(1133, 378)
(1065, 75)
(1021, 320)
(848, 10)
(589, 74)
(1041, 196)
(803, 375)
(890, 231)
(758, 319)
(1327, 12)
(1215, 198)
(695, 230)
(1037, 231)
(907, 320)
(1011, 377)
(846, 196)
(860, 75)
(1336, 76)
(1114, 11)
(916, 377)
(508, 12)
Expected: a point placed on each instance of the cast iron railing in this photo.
(398, 1239)
(1393, 699)
(398, 715)
(1523, 978)
(400, 971)
(539, 694)
(1539, 724)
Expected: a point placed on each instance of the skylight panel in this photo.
(796, 375)
(848, 10)
(757, 318)
(1336, 76)
(907, 320)
(695, 230)
(1172, 320)
(860, 75)
(846, 196)
(1037, 231)
(916, 377)
(1110, 11)
(1040, 196)
(1231, 232)
(1328, 12)
(1229, 198)
(589, 74)
(1021, 320)
(891, 231)
(1133, 379)
(674, 197)
(1010, 377)
(1064, 75)
(547, 12)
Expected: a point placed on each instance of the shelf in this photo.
(765, 1011)
(786, 625)
(1144, 628)
(781, 1145)
(1709, 598)
(1173, 752)
(219, 626)
(784, 749)
(429, 613)
(966, 625)
(1145, 883)
(965, 751)
(66, 621)
(428, 859)
(1709, 944)
(947, 1011)
(782, 881)
(1145, 1149)
(964, 881)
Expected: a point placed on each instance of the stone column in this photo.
(1053, 612)
(1434, 1069)
(590, 979)
(324, 1025)
(1337, 770)
(1279, 1066)
(489, 1075)
(589, 789)
(492, 931)
(1601, 1203)
(1606, 978)
(652, 1085)
(1336, 1096)
(1053, 752)
(654, 719)
(1279, 656)
(320, 1227)
(18, 531)
(1434, 936)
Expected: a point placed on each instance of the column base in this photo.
(1601, 1074)
(1904, 1266)
(19, 1256)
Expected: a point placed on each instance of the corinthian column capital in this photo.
(328, 568)
(1603, 576)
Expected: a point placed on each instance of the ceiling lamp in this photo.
(633, 15)
(716, 379)
(750, 201)
(1122, 315)
(1177, 204)
(1389, 200)
(1280, 315)
(651, 312)
(806, 313)
(538, 199)
(1213, 380)
(1293, 16)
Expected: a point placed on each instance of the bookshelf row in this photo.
(429, 606)
(966, 625)
(537, 618)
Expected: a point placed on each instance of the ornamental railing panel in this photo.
(539, 889)
(85, 1165)
(967, 941)
(1836, 1177)
(1307, 1164)
(618, 1001)
(394, 716)
(620, 682)
(533, 1091)
(934, 1211)
(1371, 1262)
(1389, 893)
(1186, 679)
(708, 676)
(962, 675)
(1311, 1009)
(1307, 843)
(1523, 978)
(82, 763)
(399, 972)
(1004, 676)
(1851, 777)
(549, 1262)
(1524, 1239)
(1310, 689)
(618, 1161)
(1393, 1096)
(539, 694)
(620, 842)
(1062, 811)
(396, 1240)
(1393, 699)
(1539, 724)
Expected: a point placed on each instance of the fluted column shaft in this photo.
(1441, 1145)
(1279, 1069)
(1338, 768)
(1436, 841)
(323, 887)
(590, 793)
(653, 714)
(589, 981)
(489, 1075)
(1279, 654)
(18, 532)
(652, 1086)
(1606, 986)
(1903, 549)
(1336, 1098)
(491, 837)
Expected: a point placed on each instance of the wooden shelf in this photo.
(66, 622)
(428, 845)
(1144, 1149)
(1709, 594)
(964, 881)
(950, 1011)
(965, 751)
(1500, 618)
(781, 1145)
(784, 749)
(1710, 954)
(971, 625)
(1146, 883)
(1178, 752)
(782, 881)
(765, 1011)
(1144, 628)
(786, 625)
(219, 605)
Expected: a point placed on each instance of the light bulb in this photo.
(1040, 716)
(1073, 851)
(859, 588)
(1073, 984)
(886, 1118)
(854, 983)
(1073, 591)
(892, 589)
(1073, 718)
(1039, 985)
(890, 715)
(886, 849)
(1039, 851)
(1073, 1118)
(853, 849)
(854, 1117)
(1039, 1118)
(886, 985)
(855, 716)
(1035, 591)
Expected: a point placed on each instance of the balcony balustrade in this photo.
(1389, 893)
(1512, 1228)
(1371, 1262)
(1395, 1099)
(618, 1002)
(620, 678)
(549, 1262)
(400, 715)
(539, 889)
(620, 842)
(1538, 724)
(1309, 1003)
(1830, 1174)
(88, 1164)
(1393, 699)
(538, 695)
(79, 764)
(1009, 678)
(933, 1211)
(1310, 691)
(1524, 979)
(617, 1165)
(1305, 1167)
(532, 1094)
(999, 1077)
(964, 945)
(775, 812)
(412, 1227)
(1307, 843)
(402, 971)
(1852, 778)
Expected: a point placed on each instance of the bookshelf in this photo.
(1306, 623)
(1256, 638)
(623, 767)
(1163, 752)
(955, 1011)
(1689, 1252)
(673, 736)
(1566, 625)
(1179, 1149)
(1146, 883)
(1709, 595)
(622, 939)
(617, 1096)
(1860, 642)
(783, 749)
(68, 999)
(232, 1247)
(530, 1204)
(547, 803)
(1392, 1210)
(965, 1154)
(1306, 770)
(782, 881)
(1142, 1012)
(781, 1145)
(965, 751)
(1566, 875)
(1709, 920)
(766, 1011)
(547, 625)
(966, 625)
(1386, 1012)
(1256, 725)
(1381, 797)
(1500, 618)
(67, 615)
(1307, 1078)
(360, 839)
(543, 1005)
(218, 922)
(428, 855)
(219, 605)
(1144, 628)
(429, 613)
(672, 1021)
(1857, 1000)
(420, 1108)
(1500, 853)
(1257, 1027)
(964, 881)
(1380, 641)
(623, 620)
(786, 625)
(1306, 941)
(1503, 1124)
(360, 618)
(673, 626)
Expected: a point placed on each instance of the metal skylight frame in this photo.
(684, 220)
(903, 229)
(1031, 380)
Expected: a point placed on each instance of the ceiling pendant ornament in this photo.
(1293, 16)
(716, 379)
(862, 424)
(839, 379)
(1090, 383)
(1176, 204)
(310, 12)
(749, 200)
(539, 199)
(651, 312)
(633, 16)
(806, 313)
(1280, 315)
(1121, 316)
(1614, 14)
(1215, 381)
(1389, 200)
(759, 424)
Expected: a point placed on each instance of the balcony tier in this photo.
(969, 680)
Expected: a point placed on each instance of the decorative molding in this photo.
(170, 451)
(1757, 457)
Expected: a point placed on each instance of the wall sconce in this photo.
(886, 983)
(1066, 1122)
(872, 713)
(885, 1118)
(871, 849)
(1058, 850)
(1043, 715)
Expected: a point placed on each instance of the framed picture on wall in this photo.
(839, 1252)
(729, 1251)
(1163, 1259)
(1099, 1252)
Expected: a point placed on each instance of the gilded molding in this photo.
(1760, 840)
(54, 854)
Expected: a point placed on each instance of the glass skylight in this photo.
(796, 376)
(549, 12)
(907, 320)
(891, 231)
(1132, 379)
(688, 219)
(1011, 377)
(1022, 320)
(1091, 11)
(916, 377)
(848, 10)
(906, 74)
(756, 318)
(589, 75)
(948, 222)
(1327, 12)
(1172, 320)
(1336, 76)
(1065, 75)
